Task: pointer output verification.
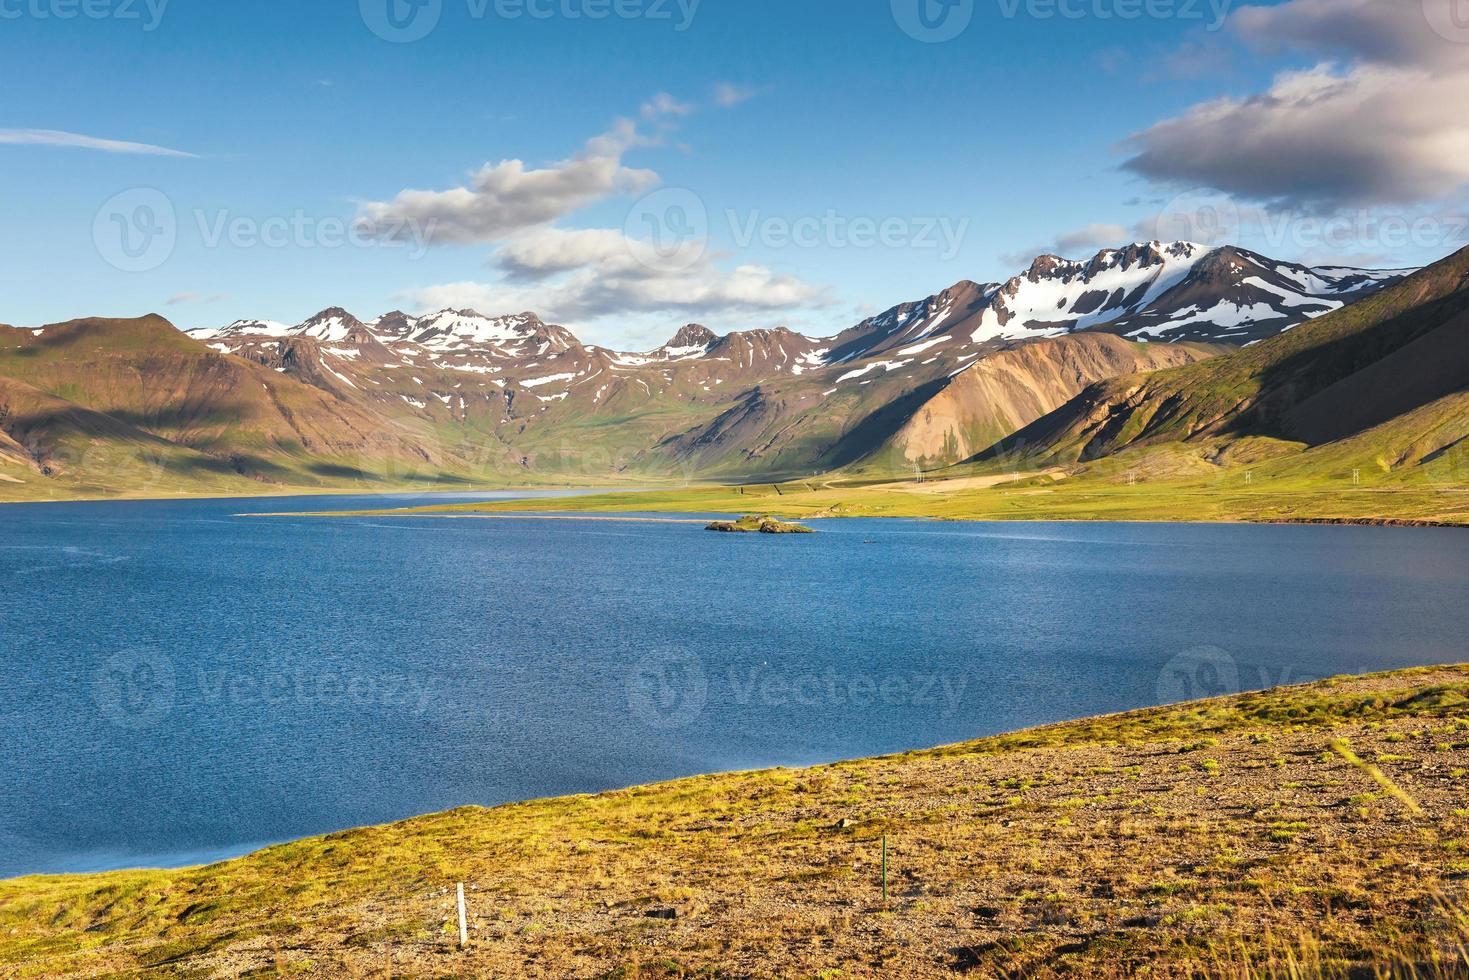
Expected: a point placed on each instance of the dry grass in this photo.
(1318, 831)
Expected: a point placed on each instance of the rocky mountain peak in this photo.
(1224, 265)
(333, 324)
(1138, 254)
(692, 335)
(1044, 267)
(334, 314)
(395, 325)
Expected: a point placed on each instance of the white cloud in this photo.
(179, 298)
(1385, 127)
(1092, 238)
(506, 198)
(664, 104)
(727, 94)
(1390, 32)
(54, 137)
(1081, 243)
(588, 274)
(702, 291)
(549, 251)
(572, 276)
(1321, 138)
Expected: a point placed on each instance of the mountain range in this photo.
(457, 398)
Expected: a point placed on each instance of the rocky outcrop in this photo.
(758, 525)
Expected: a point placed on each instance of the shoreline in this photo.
(1361, 522)
(308, 492)
(1304, 504)
(1167, 838)
(1380, 522)
(570, 516)
(1097, 504)
(1103, 718)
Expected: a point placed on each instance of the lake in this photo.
(179, 684)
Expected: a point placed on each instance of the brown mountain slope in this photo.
(12, 452)
(888, 422)
(49, 442)
(1361, 367)
(141, 383)
(1007, 391)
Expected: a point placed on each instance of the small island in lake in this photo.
(764, 524)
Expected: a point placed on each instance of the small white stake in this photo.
(463, 920)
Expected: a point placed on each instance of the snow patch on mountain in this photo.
(549, 379)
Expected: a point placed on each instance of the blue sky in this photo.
(811, 119)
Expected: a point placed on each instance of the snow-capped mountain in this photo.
(1145, 291)
(243, 328)
(451, 331)
(690, 343)
(444, 332)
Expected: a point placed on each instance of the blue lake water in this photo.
(179, 684)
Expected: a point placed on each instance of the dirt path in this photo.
(934, 487)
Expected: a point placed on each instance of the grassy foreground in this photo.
(1309, 831)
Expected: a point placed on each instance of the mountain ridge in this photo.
(1155, 268)
(458, 395)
